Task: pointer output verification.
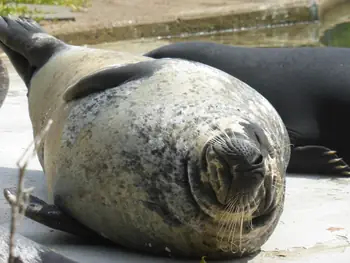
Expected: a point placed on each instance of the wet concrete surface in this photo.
(115, 20)
(314, 227)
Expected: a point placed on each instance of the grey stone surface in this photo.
(314, 227)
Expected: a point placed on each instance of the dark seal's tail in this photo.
(4, 82)
(27, 45)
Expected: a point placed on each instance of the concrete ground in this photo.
(101, 13)
(314, 227)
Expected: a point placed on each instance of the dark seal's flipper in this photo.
(4, 82)
(26, 44)
(109, 78)
(317, 160)
(51, 216)
(39, 253)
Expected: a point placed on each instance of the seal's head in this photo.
(236, 166)
(241, 186)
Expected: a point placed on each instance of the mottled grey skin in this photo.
(155, 162)
(4, 82)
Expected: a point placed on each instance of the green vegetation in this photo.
(6, 9)
(14, 7)
(338, 36)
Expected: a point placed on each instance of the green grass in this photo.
(5, 9)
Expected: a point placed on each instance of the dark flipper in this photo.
(52, 216)
(27, 45)
(109, 78)
(314, 159)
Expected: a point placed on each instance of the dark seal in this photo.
(308, 86)
(164, 156)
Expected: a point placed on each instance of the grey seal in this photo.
(166, 156)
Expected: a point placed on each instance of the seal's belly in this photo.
(121, 166)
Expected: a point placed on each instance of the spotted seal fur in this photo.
(165, 156)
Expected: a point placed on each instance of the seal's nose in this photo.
(241, 154)
(234, 167)
(251, 167)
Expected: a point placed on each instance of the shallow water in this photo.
(278, 36)
(333, 29)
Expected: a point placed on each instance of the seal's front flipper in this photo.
(314, 159)
(112, 77)
(26, 44)
(51, 216)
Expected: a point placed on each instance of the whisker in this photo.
(225, 217)
(233, 225)
(241, 231)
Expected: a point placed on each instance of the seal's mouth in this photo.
(248, 216)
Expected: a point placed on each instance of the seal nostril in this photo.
(258, 159)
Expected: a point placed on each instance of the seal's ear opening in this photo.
(110, 78)
(4, 82)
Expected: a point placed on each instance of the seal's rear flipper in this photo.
(20, 64)
(26, 44)
(51, 216)
(314, 159)
(110, 78)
